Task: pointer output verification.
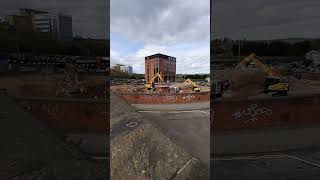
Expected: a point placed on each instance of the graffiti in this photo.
(150, 98)
(171, 98)
(52, 109)
(251, 113)
(161, 98)
(132, 124)
(188, 97)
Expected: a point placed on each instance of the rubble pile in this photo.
(72, 86)
(133, 88)
(245, 83)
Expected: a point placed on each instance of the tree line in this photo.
(264, 48)
(37, 43)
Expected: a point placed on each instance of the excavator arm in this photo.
(273, 81)
(195, 87)
(150, 84)
(157, 75)
(252, 58)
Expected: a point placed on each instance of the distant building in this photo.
(30, 12)
(130, 70)
(207, 79)
(4, 26)
(23, 20)
(19, 23)
(57, 25)
(162, 64)
(119, 67)
(313, 56)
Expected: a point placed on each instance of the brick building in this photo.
(162, 64)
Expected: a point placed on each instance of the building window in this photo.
(156, 68)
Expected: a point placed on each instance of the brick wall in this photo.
(69, 115)
(163, 66)
(164, 98)
(311, 76)
(282, 111)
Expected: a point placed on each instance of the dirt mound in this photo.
(222, 74)
(246, 83)
(37, 89)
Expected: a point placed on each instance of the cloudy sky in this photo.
(90, 18)
(179, 28)
(266, 19)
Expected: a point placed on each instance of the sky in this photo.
(90, 18)
(179, 28)
(266, 19)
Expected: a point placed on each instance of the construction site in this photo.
(153, 122)
(153, 93)
(263, 115)
(70, 105)
(253, 78)
(251, 92)
(160, 86)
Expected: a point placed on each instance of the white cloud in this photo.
(191, 60)
(179, 28)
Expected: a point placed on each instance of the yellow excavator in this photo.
(194, 85)
(151, 85)
(273, 81)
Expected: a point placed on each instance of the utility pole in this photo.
(239, 52)
(47, 68)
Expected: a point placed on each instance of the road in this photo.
(265, 139)
(173, 107)
(291, 165)
(188, 128)
(284, 153)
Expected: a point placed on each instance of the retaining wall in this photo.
(311, 76)
(258, 113)
(141, 98)
(70, 115)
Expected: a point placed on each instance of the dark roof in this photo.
(33, 11)
(158, 55)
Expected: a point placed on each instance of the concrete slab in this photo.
(265, 140)
(172, 107)
(282, 166)
(94, 144)
(190, 130)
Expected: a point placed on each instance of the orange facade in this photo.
(162, 64)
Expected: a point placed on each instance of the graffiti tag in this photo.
(251, 113)
(132, 124)
(52, 109)
(188, 97)
(171, 98)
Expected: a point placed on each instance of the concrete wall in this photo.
(164, 98)
(311, 76)
(258, 113)
(70, 115)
